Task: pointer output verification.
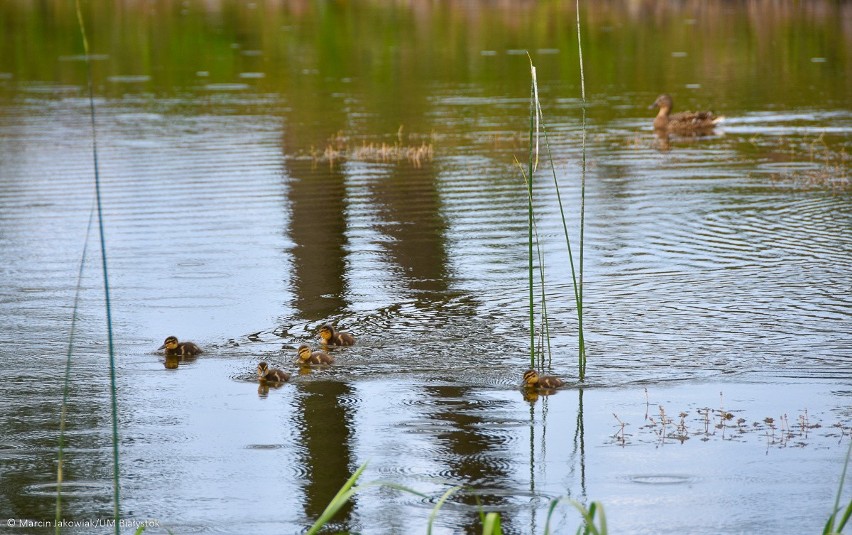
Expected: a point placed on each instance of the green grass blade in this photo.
(111, 346)
(444, 497)
(544, 319)
(829, 527)
(66, 384)
(491, 525)
(576, 286)
(582, 342)
(394, 486)
(845, 517)
(603, 528)
(576, 274)
(342, 496)
(532, 164)
(587, 514)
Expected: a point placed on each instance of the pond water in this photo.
(247, 200)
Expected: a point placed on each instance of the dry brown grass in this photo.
(339, 148)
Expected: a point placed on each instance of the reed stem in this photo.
(60, 462)
(531, 163)
(581, 339)
(113, 395)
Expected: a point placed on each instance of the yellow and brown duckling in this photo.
(687, 122)
(272, 375)
(308, 357)
(179, 349)
(545, 382)
(332, 337)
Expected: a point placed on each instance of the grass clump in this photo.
(835, 523)
(340, 147)
(491, 523)
(536, 126)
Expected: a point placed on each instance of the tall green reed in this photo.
(532, 164)
(537, 125)
(60, 464)
(98, 198)
(582, 349)
(545, 326)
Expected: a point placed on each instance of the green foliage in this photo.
(491, 524)
(830, 527)
(536, 126)
(438, 506)
(536, 123)
(342, 496)
(588, 527)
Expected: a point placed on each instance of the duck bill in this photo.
(161, 347)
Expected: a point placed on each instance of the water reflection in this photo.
(411, 209)
(317, 198)
(472, 455)
(317, 202)
(325, 432)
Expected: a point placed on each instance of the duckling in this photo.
(182, 349)
(546, 382)
(332, 337)
(308, 357)
(685, 122)
(273, 375)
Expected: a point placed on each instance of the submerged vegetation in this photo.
(660, 427)
(340, 148)
(811, 164)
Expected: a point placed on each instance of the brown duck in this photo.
(274, 375)
(330, 336)
(545, 382)
(179, 349)
(308, 357)
(687, 122)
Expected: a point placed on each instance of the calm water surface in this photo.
(716, 269)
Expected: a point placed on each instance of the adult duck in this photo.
(686, 122)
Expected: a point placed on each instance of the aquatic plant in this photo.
(579, 287)
(337, 502)
(491, 523)
(588, 514)
(63, 412)
(532, 163)
(725, 424)
(339, 148)
(536, 126)
(834, 524)
(113, 394)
